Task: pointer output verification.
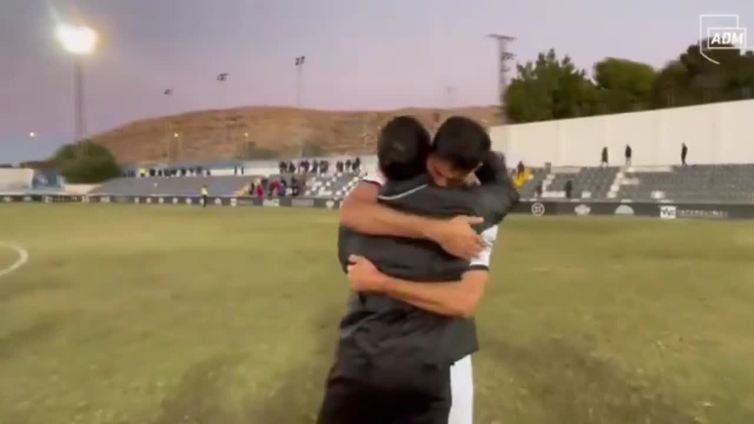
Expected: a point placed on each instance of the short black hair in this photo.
(402, 148)
(462, 142)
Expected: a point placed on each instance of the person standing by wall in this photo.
(603, 160)
(629, 153)
(205, 195)
(568, 189)
(684, 153)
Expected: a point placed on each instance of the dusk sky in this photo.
(360, 54)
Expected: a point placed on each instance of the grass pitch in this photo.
(166, 315)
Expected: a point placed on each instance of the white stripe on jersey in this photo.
(488, 238)
(401, 195)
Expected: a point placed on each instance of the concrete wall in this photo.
(715, 133)
(15, 178)
(79, 188)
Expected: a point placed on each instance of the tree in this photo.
(85, 163)
(693, 79)
(624, 85)
(553, 88)
(549, 88)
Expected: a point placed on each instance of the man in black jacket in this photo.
(398, 344)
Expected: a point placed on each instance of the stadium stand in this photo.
(720, 183)
(45, 181)
(725, 183)
(587, 182)
(182, 186)
(538, 176)
(331, 186)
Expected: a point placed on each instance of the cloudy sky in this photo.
(360, 54)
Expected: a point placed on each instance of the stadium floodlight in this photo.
(176, 135)
(32, 134)
(79, 40)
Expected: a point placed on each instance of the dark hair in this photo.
(402, 148)
(462, 142)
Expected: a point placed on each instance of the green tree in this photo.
(624, 85)
(550, 88)
(693, 79)
(85, 163)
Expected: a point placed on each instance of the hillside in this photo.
(228, 134)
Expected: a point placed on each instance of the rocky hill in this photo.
(263, 132)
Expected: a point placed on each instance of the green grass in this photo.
(166, 315)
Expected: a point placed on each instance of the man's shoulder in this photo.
(391, 189)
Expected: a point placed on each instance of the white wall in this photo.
(15, 178)
(79, 188)
(715, 133)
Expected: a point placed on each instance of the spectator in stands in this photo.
(568, 189)
(323, 165)
(315, 167)
(291, 167)
(603, 160)
(520, 168)
(282, 167)
(629, 152)
(283, 187)
(205, 195)
(252, 188)
(260, 191)
(348, 165)
(275, 188)
(684, 153)
(339, 166)
(356, 164)
(294, 187)
(538, 190)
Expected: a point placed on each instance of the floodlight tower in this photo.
(503, 57)
(80, 41)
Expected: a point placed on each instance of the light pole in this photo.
(503, 57)
(168, 92)
(222, 78)
(300, 60)
(80, 41)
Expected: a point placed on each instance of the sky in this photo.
(360, 54)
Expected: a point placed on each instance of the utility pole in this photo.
(222, 78)
(80, 125)
(503, 57)
(299, 63)
(168, 92)
(300, 60)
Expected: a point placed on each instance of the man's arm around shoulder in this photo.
(455, 299)
(361, 212)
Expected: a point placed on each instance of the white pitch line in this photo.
(23, 257)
